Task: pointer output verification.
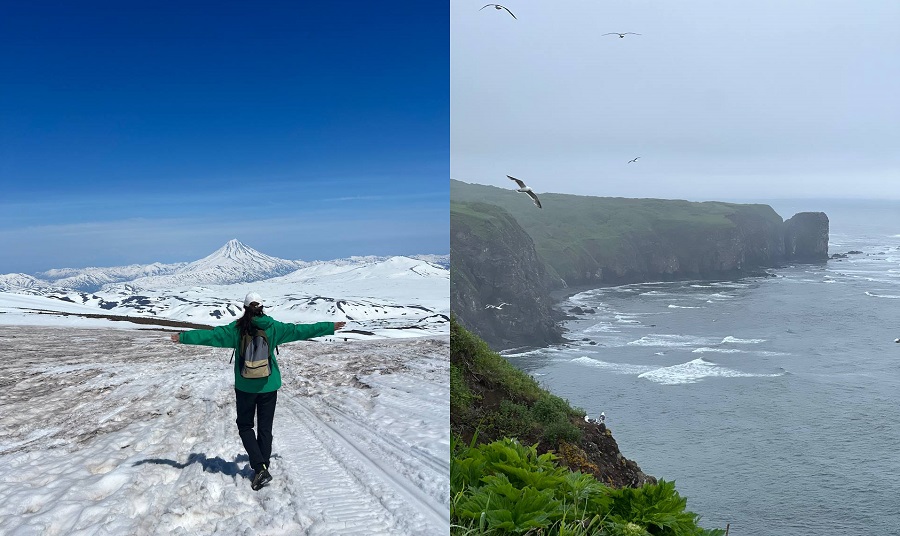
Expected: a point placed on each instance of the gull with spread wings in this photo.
(498, 7)
(621, 35)
(526, 190)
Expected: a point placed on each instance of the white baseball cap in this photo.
(253, 297)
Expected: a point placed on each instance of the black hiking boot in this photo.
(261, 478)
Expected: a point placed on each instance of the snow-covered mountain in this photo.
(440, 260)
(378, 296)
(91, 279)
(232, 263)
(20, 282)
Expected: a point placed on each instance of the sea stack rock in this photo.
(806, 237)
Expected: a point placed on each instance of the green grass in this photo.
(500, 485)
(575, 235)
(505, 487)
(491, 398)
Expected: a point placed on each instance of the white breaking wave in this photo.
(671, 340)
(521, 354)
(735, 340)
(619, 368)
(696, 370)
(717, 350)
(881, 295)
(683, 307)
(603, 327)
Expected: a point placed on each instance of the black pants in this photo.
(258, 445)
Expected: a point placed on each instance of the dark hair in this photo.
(245, 323)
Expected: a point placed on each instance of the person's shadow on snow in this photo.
(210, 465)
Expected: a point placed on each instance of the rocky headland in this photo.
(504, 249)
(499, 287)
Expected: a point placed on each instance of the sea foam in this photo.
(735, 340)
(872, 294)
(670, 340)
(618, 368)
(695, 371)
(717, 350)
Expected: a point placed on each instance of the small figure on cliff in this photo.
(599, 420)
(526, 190)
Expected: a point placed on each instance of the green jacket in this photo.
(277, 332)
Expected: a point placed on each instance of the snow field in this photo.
(123, 432)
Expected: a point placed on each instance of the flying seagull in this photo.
(621, 35)
(527, 190)
(498, 307)
(498, 6)
(634, 160)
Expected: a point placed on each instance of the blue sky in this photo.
(135, 132)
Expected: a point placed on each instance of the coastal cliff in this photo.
(499, 287)
(504, 249)
(490, 399)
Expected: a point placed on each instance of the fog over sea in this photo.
(773, 402)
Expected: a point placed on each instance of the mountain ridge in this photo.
(234, 262)
(378, 294)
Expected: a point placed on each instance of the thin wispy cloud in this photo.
(312, 236)
(227, 127)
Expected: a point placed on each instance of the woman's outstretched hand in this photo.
(339, 325)
(175, 337)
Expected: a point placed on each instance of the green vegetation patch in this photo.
(505, 487)
(491, 398)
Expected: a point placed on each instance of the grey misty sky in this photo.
(721, 100)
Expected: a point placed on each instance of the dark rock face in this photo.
(669, 251)
(598, 454)
(493, 261)
(806, 237)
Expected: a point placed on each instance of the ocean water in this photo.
(773, 402)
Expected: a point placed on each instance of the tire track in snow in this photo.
(347, 507)
(391, 444)
(430, 517)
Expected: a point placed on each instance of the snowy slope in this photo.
(21, 283)
(378, 296)
(105, 433)
(93, 278)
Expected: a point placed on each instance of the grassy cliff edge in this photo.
(571, 480)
